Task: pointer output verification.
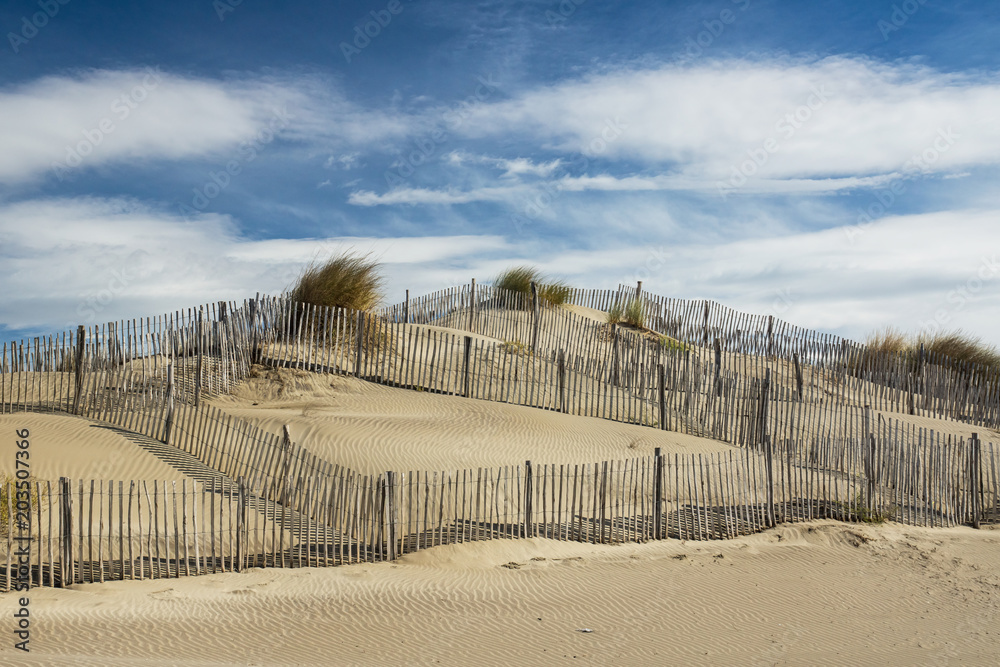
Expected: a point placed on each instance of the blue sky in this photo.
(831, 163)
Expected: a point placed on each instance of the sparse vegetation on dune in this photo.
(519, 278)
(959, 348)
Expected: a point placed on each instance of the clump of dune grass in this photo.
(951, 349)
(352, 282)
(631, 313)
(961, 348)
(346, 280)
(518, 279)
(634, 314)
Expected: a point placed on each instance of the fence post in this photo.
(358, 352)
(406, 308)
(661, 379)
(465, 366)
(472, 307)
(770, 335)
(614, 355)
(768, 447)
(869, 437)
(562, 381)
(704, 326)
(638, 290)
(798, 375)
(197, 374)
(169, 424)
(255, 352)
(977, 480)
(390, 514)
(81, 335)
(528, 483)
(65, 532)
(241, 523)
(718, 366)
(286, 446)
(657, 494)
(534, 317)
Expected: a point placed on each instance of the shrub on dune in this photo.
(349, 281)
(343, 281)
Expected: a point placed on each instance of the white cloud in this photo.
(65, 262)
(64, 123)
(866, 118)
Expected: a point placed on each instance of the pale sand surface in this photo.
(822, 593)
(68, 446)
(371, 428)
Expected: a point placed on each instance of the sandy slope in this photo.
(67, 446)
(818, 594)
(371, 428)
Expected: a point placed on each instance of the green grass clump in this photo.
(9, 498)
(632, 313)
(515, 347)
(670, 344)
(518, 279)
(856, 509)
(343, 281)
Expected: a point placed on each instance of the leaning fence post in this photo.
(65, 532)
(406, 308)
(528, 483)
(657, 494)
(81, 335)
(465, 366)
(977, 480)
(169, 422)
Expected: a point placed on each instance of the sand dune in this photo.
(371, 428)
(67, 446)
(820, 594)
